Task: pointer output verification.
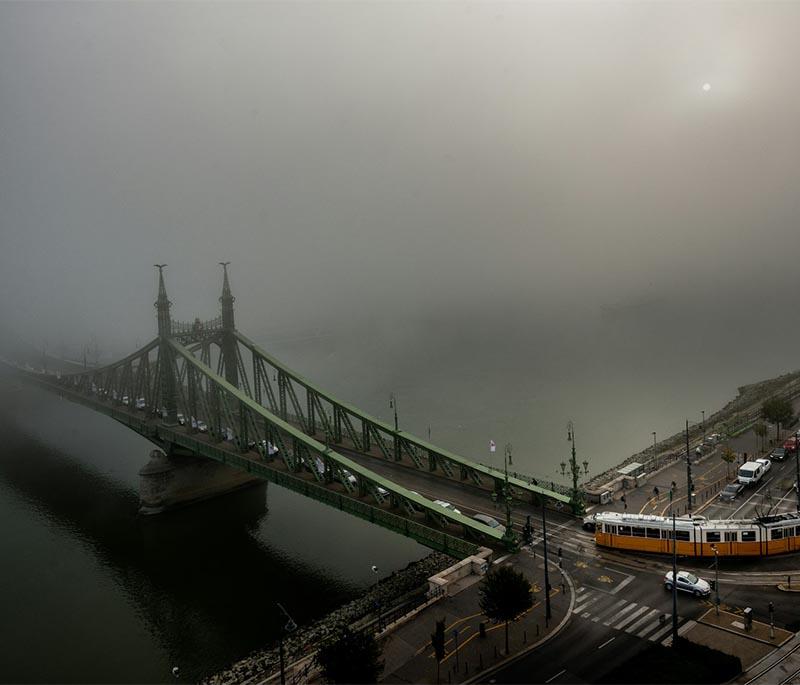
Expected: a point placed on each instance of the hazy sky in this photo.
(394, 163)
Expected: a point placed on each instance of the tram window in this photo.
(712, 536)
(682, 535)
(624, 530)
(638, 532)
(654, 533)
(777, 533)
(730, 536)
(748, 536)
(608, 528)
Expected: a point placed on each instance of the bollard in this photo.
(525, 637)
(480, 661)
(466, 668)
(789, 581)
(537, 630)
(495, 651)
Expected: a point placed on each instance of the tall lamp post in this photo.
(509, 534)
(547, 611)
(378, 594)
(689, 485)
(674, 576)
(704, 427)
(393, 405)
(716, 576)
(797, 468)
(654, 449)
(289, 627)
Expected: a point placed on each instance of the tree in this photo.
(778, 410)
(728, 456)
(505, 594)
(351, 658)
(437, 642)
(760, 429)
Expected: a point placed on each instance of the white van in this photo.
(751, 472)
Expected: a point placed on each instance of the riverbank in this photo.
(736, 416)
(401, 589)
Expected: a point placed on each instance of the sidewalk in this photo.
(409, 657)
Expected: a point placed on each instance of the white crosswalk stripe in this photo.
(610, 611)
(611, 619)
(632, 617)
(644, 622)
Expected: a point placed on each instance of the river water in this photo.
(94, 593)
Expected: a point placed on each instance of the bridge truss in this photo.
(207, 388)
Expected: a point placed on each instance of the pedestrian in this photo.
(655, 491)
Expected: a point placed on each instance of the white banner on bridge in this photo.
(492, 446)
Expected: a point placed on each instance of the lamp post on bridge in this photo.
(377, 594)
(393, 405)
(509, 534)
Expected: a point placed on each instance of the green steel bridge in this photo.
(263, 418)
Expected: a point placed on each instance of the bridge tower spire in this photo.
(165, 357)
(229, 351)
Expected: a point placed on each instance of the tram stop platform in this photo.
(728, 633)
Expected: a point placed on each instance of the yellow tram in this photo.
(697, 536)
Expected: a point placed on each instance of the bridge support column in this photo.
(173, 480)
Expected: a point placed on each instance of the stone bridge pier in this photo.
(177, 478)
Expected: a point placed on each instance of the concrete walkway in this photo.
(407, 650)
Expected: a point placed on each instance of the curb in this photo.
(488, 672)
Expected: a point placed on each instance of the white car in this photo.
(489, 521)
(766, 463)
(202, 426)
(140, 403)
(446, 505)
(688, 582)
(182, 420)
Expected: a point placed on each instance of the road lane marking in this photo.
(560, 673)
(638, 624)
(622, 584)
(609, 610)
(607, 642)
(628, 619)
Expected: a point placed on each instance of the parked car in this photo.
(489, 521)
(181, 419)
(688, 582)
(731, 491)
(766, 463)
(446, 505)
(140, 403)
(778, 454)
(202, 426)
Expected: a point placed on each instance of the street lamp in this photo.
(575, 470)
(689, 485)
(674, 577)
(654, 449)
(378, 594)
(393, 405)
(716, 575)
(288, 627)
(704, 427)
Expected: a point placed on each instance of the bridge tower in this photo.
(166, 364)
(229, 355)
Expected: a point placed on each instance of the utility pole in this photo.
(797, 468)
(654, 449)
(547, 611)
(689, 486)
(509, 534)
(674, 577)
(289, 627)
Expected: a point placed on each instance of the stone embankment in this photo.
(737, 415)
(262, 663)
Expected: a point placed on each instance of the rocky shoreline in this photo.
(263, 663)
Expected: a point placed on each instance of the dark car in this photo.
(731, 491)
(778, 454)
